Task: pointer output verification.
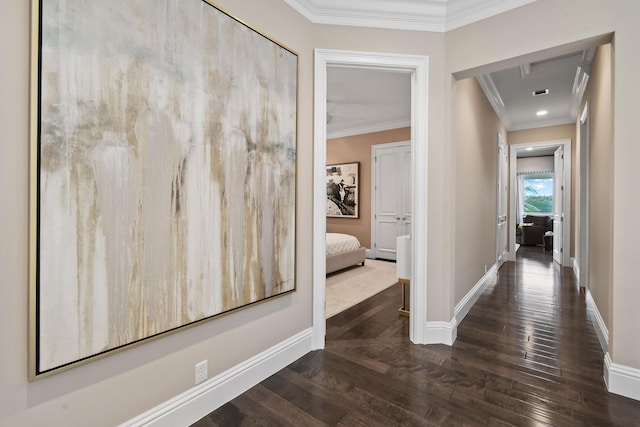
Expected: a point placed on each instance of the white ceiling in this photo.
(510, 91)
(364, 100)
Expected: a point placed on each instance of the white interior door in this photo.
(583, 183)
(558, 204)
(391, 197)
(502, 198)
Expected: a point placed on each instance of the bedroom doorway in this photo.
(417, 67)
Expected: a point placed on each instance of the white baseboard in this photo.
(462, 308)
(190, 406)
(447, 332)
(441, 332)
(621, 379)
(368, 253)
(598, 323)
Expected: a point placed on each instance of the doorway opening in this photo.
(417, 66)
(552, 197)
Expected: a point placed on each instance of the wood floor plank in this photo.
(526, 354)
(354, 397)
(284, 408)
(318, 405)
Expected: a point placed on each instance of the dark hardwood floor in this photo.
(526, 355)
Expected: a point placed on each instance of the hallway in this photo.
(526, 354)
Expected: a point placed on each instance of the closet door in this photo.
(391, 197)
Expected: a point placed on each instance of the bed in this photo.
(343, 250)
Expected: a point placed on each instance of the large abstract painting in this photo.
(163, 172)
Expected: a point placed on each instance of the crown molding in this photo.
(427, 15)
(492, 94)
(579, 87)
(465, 12)
(361, 130)
(416, 15)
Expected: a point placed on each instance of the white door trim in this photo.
(501, 258)
(418, 67)
(566, 238)
(558, 214)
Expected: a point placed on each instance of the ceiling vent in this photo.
(540, 92)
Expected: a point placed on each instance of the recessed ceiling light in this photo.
(542, 113)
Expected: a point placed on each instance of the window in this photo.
(538, 194)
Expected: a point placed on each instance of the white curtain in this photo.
(519, 198)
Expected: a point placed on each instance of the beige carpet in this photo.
(356, 284)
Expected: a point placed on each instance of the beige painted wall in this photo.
(554, 133)
(475, 213)
(534, 164)
(153, 372)
(118, 387)
(599, 96)
(508, 39)
(550, 133)
(357, 148)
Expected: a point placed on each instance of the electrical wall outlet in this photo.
(202, 372)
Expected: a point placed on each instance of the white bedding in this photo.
(338, 243)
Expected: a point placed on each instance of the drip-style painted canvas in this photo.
(164, 172)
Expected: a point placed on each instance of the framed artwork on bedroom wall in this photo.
(163, 173)
(342, 190)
